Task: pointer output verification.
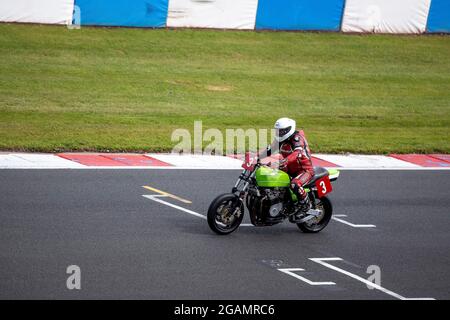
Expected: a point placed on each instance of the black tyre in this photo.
(225, 213)
(318, 223)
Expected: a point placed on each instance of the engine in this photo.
(275, 209)
(274, 194)
(274, 201)
(266, 207)
(274, 197)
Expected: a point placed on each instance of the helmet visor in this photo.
(282, 132)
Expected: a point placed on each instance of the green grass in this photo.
(127, 89)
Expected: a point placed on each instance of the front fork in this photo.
(241, 186)
(243, 183)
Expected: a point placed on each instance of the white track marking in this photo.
(6, 164)
(190, 168)
(335, 217)
(35, 161)
(365, 281)
(10, 161)
(48, 160)
(366, 161)
(205, 162)
(290, 271)
(390, 169)
(156, 198)
(167, 194)
(199, 161)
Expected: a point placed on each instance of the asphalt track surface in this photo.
(129, 246)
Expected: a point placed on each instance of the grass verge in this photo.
(121, 89)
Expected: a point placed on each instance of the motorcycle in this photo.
(266, 193)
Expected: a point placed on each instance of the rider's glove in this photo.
(283, 165)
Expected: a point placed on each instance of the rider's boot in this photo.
(303, 205)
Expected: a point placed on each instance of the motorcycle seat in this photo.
(319, 172)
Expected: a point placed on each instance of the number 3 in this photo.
(324, 188)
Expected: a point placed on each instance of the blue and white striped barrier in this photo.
(223, 14)
(372, 16)
(37, 11)
(386, 16)
(124, 13)
(324, 15)
(439, 16)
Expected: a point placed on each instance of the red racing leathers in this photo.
(296, 161)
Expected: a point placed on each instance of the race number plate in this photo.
(247, 165)
(323, 186)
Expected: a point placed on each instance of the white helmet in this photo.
(284, 127)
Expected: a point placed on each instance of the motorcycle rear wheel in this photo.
(222, 213)
(313, 226)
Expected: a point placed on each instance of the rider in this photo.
(296, 160)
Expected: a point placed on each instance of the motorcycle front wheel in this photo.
(225, 213)
(318, 223)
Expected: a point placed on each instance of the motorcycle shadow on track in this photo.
(198, 227)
